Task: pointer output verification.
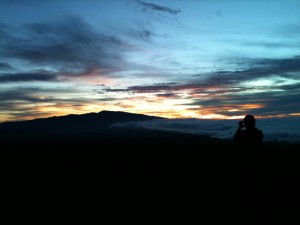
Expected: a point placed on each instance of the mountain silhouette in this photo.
(83, 124)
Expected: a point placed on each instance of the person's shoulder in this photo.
(258, 130)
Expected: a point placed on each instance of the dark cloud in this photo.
(291, 87)
(159, 87)
(68, 46)
(32, 94)
(281, 65)
(151, 6)
(146, 88)
(260, 68)
(26, 77)
(115, 90)
(278, 104)
(226, 81)
(225, 90)
(107, 99)
(21, 95)
(10, 98)
(272, 103)
(5, 66)
(167, 95)
(196, 87)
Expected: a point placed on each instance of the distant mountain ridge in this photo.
(82, 123)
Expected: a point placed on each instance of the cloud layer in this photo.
(274, 129)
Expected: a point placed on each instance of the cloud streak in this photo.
(151, 6)
(228, 80)
(5, 66)
(26, 77)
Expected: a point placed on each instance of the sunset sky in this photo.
(171, 58)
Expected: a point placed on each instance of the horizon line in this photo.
(206, 117)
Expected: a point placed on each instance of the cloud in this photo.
(35, 102)
(9, 96)
(261, 68)
(68, 46)
(142, 34)
(275, 129)
(167, 95)
(265, 103)
(222, 82)
(136, 30)
(26, 77)
(160, 87)
(31, 95)
(219, 13)
(231, 93)
(5, 66)
(154, 7)
(275, 44)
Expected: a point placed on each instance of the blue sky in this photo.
(172, 58)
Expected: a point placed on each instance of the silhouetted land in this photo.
(150, 173)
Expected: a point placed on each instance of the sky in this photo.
(207, 59)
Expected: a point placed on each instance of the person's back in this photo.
(251, 136)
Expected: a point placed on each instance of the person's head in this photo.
(249, 121)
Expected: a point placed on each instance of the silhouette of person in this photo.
(250, 136)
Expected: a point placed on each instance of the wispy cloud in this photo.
(30, 95)
(26, 77)
(134, 30)
(151, 6)
(5, 66)
(68, 46)
(222, 82)
(260, 68)
(167, 95)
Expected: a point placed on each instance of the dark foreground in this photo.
(154, 178)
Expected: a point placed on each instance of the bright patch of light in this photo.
(270, 82)
(259, 83)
